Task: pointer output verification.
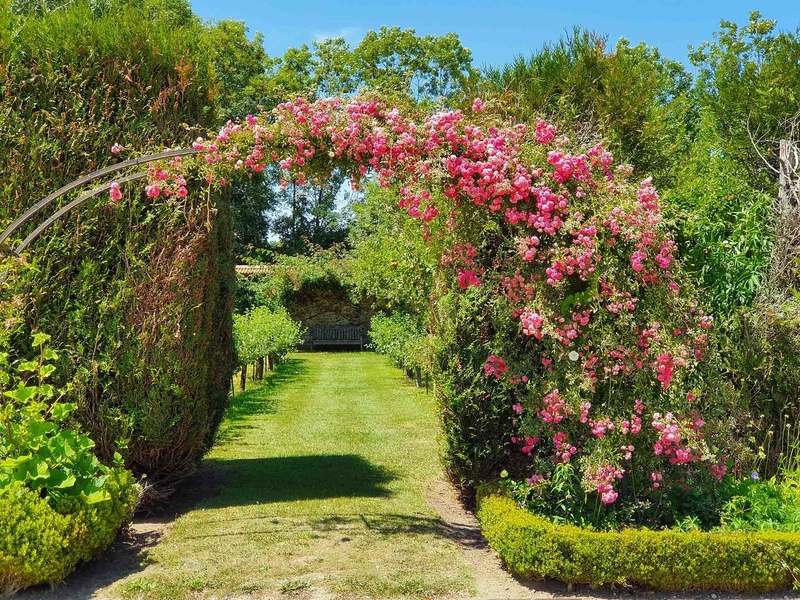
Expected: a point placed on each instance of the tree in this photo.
(261, 334)
(724, 187)
(311, 215)
(392, 262)
(36, 7)
(396, 62)
(240, 67)
(629, 95)
(252, 203)
(391, 60)
(748, 82)
(243, 87)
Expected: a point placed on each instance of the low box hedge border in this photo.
(535, 548)
(40, 545)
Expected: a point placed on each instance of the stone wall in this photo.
(329, 306)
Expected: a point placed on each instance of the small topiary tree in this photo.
(264, 333)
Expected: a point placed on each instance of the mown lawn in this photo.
(325, 466)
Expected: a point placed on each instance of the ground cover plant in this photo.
(60, 506)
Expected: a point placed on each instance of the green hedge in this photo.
(475, 411)
(402, 338)
(138, 296)
(39, 544)
(534, 548)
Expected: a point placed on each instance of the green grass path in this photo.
(326, 467)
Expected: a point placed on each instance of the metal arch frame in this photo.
(68, 207)
(36, 208)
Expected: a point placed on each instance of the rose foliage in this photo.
(593, 336)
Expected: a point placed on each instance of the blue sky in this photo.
(499, 30)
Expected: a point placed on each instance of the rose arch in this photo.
(600, 366)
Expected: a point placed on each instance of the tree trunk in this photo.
(783, 270)
(790, 172)
(271, 362)
(418, 376)
(243, 378)
(260, 368)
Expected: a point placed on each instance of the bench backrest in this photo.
(335, 333)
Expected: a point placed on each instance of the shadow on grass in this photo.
(129, 553)
(349, 525)
(389, 524)
(259, 398)
(285, 479)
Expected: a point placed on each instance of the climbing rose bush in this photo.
(594, 335)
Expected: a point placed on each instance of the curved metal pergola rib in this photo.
(36, 208)
(68, 207)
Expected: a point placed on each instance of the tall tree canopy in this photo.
(429, 70)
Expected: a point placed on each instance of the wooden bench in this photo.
(334, 335)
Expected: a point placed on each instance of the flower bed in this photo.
(534, 548)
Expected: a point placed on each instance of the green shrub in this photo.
(402, 338)
(264, 332)
(759, 371)
(392, 262)
(166, 368)
(722, 221)
(120, 77)
(288, 278)
(41, 543)
(534, 548)
(769, 505)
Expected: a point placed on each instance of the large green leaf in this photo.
(10, 464)
(61, 411)
(42, 428)
(22, 393)
(97, 497)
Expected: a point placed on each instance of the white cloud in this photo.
(348, 33)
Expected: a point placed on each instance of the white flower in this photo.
(573, 356)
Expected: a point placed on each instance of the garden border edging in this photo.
(534, 548)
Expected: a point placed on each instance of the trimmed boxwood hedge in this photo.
(534, 548)
(39, 544)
